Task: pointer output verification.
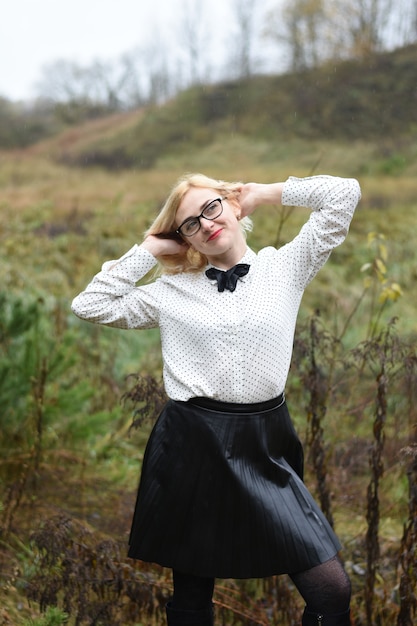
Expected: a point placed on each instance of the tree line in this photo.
(255, 38)
(297, 34)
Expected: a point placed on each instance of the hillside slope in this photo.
(371, 99)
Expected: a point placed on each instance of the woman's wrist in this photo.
(164, 245)
(151, 246)
(253, 195)
(271, 193)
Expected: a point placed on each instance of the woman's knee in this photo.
(326, 587)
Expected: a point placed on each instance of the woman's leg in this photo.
(326, 590)
(192, 601)
(191, 592)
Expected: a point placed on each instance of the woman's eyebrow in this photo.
(205, 203)
(202, 206)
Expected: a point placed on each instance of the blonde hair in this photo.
(192, 261)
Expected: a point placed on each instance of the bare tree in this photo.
(160, 81)
(245, 13)
(133, 70)
(414, 21)
(357, 28)
(319, 30)
(300, 27)
(195, 39)
(135, 78)
(366, 23)
(403, 29)
(62, 80)
(102, 83)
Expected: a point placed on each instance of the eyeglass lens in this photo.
(210, 212)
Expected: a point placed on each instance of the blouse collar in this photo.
(248, 257)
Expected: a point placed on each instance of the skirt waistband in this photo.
(232, 407)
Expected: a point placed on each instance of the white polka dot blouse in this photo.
(229, 346)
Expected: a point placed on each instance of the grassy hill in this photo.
(99, 183)
(372, 99)
(86, 195)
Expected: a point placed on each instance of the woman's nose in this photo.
(206, 225)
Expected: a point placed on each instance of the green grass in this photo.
(58, 224)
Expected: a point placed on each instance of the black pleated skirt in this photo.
(221, 494)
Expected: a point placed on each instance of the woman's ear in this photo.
(234, 203)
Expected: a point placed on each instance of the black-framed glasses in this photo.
(192, 225)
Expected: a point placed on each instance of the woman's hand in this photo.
(248, 198)
(251, 195)
(165, 244)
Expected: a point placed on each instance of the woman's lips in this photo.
(215, 234)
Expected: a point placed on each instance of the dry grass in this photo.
(57, 225)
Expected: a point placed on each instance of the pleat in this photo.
(221, 494)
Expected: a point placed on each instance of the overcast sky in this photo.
(34, 33)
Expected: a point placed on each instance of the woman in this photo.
(221, 491)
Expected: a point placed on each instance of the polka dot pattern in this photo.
(230, 346)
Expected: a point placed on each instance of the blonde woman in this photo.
(221, 491)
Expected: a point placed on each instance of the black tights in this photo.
(191, 593)
(325, 589)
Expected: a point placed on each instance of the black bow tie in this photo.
(227, 279)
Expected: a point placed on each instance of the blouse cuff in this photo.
(308, 192)
(138, 257)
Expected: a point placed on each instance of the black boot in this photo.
(311, 618)
(179, 617)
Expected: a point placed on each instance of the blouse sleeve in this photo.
(333, 201)
(112, 297)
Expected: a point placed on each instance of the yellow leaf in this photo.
(390, 292)
(384, 295)
(397, 291)
(371, 237)
(380, 266)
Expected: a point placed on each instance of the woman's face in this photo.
(217, 238)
